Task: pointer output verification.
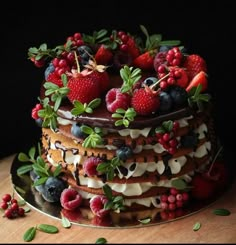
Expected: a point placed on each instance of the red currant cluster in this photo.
(11, 207)
(126, 43)
(64, 63)
(174, 56)
(171, 76)
(168, 139)
(174, 200)
(76, 39)
(35, 110)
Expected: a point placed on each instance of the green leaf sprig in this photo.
(96, 37)
(126, 116)
(57, 93)
(29, 235)
(115, 203)
(48, 114)
(166, 126)
(196, 98)
(43, 52)
(155, 41)
(80, 108)
(179, 184)
(94, 137)
(129, 76)
(221, 212)
(38, 165)
(109, 167)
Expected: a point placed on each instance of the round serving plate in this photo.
(82, 216)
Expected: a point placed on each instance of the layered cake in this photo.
(127, 121)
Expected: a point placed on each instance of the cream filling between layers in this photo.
(147, 202)
(133, 133)
(175, 164)
(129, 189)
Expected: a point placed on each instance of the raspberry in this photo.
(97, 205)
(90, 166)
(70, 199)
(115, 99)
(160, 59)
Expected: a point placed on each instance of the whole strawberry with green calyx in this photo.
(145, 60)
(103, 55)
(194, 64)
(98, 73)
(145, 101)
(82, 88)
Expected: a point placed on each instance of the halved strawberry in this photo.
(103, 55)
(145, 60)
(194, 64)
(200, 78)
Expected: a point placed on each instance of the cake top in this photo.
(118, 79)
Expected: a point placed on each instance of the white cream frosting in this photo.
(129, 189)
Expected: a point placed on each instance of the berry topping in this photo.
(53, 188)
(124, 153)
(115, 99)
(70, 199)
(199, 78)
(145, 102)
(194, 64)
(90, 165)
(97, 205)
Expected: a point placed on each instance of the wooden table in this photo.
(214, 229)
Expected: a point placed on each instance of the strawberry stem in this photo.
(158, 81)
(77, 62)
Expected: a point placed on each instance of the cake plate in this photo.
(83, 217)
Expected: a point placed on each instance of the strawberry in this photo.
(200, 78)
(145, 61)
(53, 77)
(103, 55)
(194, 64)
(145, 101)
(203, 188)
(102, 78)
(83, 88)
(132, 48)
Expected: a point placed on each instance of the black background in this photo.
(204, 28)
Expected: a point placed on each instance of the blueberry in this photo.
(165, 48)
(149, 81)
(165, 102)
(39, 122)
(48, 70)
(84, 51)
(77, 132)
(39, 188)
(179, 95)
(53, 188)
(33, 175)
(124, 152)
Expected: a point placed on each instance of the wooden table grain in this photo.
(214, 229)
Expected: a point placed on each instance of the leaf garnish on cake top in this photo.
(124, 116)
(80, 108)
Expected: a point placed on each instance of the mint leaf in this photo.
(29, 235)
(47, 228)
